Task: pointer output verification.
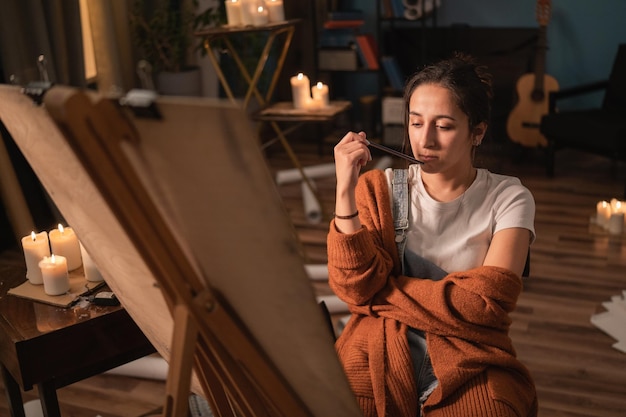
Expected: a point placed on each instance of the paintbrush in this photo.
(394, 152)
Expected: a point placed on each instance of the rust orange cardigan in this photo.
(464, 316)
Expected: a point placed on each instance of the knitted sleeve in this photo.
(360, 263)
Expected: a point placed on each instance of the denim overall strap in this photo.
(400, 200)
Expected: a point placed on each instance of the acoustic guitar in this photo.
(532, 91)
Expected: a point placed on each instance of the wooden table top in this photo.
(40, 341)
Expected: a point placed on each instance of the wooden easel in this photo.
(244, 365)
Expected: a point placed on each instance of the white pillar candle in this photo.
(616, 223)
(35, 247)
(233, 12)
(261, 17)
(248, 10)
(603, 211)
(300, 91)
(320, 95)
(92, 273)
(275, 10)
(64, 242)
(56, 280)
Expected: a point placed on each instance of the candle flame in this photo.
(33, 236)
(320, 85)
(61, 228)
(300, 76)
(52, 259)
(260, 9)
(618, 205)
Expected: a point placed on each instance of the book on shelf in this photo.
(344, 24)
(368, 51)
(346, 15)
(335, 38)
(393, 71)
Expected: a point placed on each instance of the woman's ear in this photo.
(478, 133)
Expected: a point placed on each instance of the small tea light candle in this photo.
(300, 91)
(92, 273)
(275, 10)
(261, 17)
(35, 247)
(64, 242)
(320, 94)
(233, 12)
(56, 280)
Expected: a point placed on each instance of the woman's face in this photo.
(439, 131)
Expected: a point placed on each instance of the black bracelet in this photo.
(348, 217)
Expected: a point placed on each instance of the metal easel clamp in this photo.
(37, 89)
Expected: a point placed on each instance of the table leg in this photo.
(49, 400)
(14, 394)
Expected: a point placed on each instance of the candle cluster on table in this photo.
(51, 255)
(306, 97)
(254, 12)
(610, 215)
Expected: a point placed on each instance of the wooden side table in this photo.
(284, 112)
(51, 347)
(276, 32)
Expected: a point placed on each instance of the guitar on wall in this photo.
(532, 91)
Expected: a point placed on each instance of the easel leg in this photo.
(178, 385)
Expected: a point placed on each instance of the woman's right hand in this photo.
(351, 153)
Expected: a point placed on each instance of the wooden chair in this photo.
(600, 131)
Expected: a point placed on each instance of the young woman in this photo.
(429, 260)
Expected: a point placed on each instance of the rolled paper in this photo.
(312, 208)
(64, 242)
(148, 367)
(311, 172)
(35, 247)
(317, 272)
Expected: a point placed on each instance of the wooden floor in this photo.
(574, 268)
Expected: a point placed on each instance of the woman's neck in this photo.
(446, 188)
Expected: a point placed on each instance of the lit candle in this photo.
(275, 10)
(64, 242)
(92, 273)
(261, 16)
(233, 12)
(320, 94)
(300, 91)
(56, 280)
(603, 212)
(248, 10)
(35, 248)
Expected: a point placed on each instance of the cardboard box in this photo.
(337, 59)
(393, 111)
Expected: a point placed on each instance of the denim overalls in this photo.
(415, 266)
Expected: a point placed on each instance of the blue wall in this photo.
(583, 35)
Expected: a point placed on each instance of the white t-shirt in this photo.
(455, 235)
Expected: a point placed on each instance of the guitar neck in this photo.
(540, 58)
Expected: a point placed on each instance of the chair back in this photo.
(615, 96)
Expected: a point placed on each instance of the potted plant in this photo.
(163, 32)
